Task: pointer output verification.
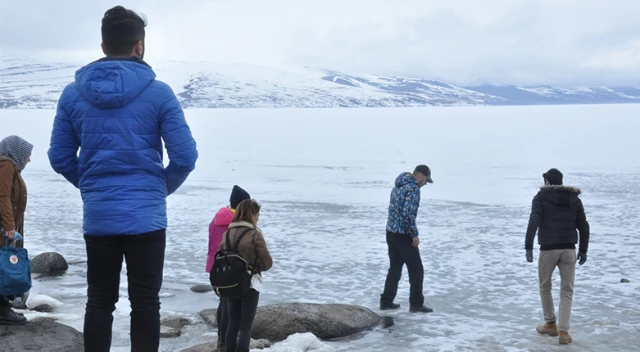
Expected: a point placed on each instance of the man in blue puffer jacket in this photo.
(117, 114)
(403, 240)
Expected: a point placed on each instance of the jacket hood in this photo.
(113, 83)
(223, 217)
(561, 195)
(242, 224)
(404, 179)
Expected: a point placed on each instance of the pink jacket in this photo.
(217, 228)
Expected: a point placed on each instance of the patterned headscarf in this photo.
(17, 150)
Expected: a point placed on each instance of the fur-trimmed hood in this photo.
(560, 195)
(561, 188)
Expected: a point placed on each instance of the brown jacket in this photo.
(13, 198)
(252, 246)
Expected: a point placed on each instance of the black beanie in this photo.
(554, 176)
(238, 195)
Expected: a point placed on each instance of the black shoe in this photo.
(421, 309)
(19, 314)
(389, 306)
(9, 317)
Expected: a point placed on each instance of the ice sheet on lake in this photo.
(324, 177)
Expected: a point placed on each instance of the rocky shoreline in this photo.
(273, 323)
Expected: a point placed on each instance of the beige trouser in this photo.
(565, 260)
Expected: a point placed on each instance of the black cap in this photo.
(238, 195)
(554, 176)
(425, 170)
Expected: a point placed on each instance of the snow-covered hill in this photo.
(36, 83)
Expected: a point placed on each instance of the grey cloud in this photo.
(462, 42)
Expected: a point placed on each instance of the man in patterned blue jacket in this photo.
(117, 114)
(403, 240)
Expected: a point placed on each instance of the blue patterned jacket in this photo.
(403, 206)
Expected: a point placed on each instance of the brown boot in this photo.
(564, 338)
(550, 329)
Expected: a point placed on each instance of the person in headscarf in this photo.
(15, 154)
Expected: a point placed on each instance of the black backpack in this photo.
(230, 275)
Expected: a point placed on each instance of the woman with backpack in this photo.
(217, 228)
(15, 154)
(253, 249)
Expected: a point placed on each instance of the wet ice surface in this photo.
(324, 177)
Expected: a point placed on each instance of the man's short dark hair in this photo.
(554, 176)
(122, 29)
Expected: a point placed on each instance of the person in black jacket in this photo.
(556, 213)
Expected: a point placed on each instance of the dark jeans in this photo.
(241, 315)
(402, 252)
(4, 304)
(144, 255)
(222, 317)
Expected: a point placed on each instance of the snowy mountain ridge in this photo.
(30, 83)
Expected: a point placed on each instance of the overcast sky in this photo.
(466, 42)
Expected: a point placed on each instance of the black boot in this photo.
(9, 317)
(388, 306)
(421, 309)
(11, 306)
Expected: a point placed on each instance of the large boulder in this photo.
(40, 336)
(48, 263)
(327, 321)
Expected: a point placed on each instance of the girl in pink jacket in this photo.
(217, 228)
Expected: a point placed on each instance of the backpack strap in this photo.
(227, 240)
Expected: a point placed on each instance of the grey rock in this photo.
(167, 332)
(327, 321)
(625, 281)
(201, 288)
(48, 263)
(209, 317)
(41, 336)
(175, 322)
(212, 346)
(43, 308)
(42, 319)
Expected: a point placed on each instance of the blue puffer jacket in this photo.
(403, 207)
(118, 115)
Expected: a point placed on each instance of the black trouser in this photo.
(4, 304)
(241, 315)
(401, 251)
(222, 317)
(144, 255)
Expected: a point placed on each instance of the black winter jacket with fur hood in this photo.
(556, 213)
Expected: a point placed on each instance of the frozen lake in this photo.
(324, 177)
